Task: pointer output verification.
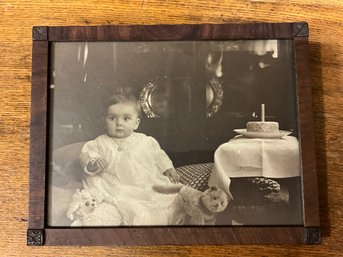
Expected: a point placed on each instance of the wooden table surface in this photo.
(325, 18)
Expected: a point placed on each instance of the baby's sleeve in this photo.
(90, 153)
(162, 160)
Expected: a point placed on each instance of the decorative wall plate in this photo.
(214, 97)
(145, 99)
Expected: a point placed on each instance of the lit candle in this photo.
(262, 112)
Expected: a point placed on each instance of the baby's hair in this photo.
(122, 98)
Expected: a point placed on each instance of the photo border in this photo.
(39, 233)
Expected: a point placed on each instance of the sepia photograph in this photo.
(173, 133)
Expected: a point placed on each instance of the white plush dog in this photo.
(84, 210)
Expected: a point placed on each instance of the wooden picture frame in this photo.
(39, 233)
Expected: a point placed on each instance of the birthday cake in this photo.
(263, 126)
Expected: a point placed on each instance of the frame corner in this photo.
(35, 237)
(40, 33)
(300, 29)
(313, 235)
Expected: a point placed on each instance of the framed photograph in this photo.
(172, 135)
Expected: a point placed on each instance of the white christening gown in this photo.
(135, 164)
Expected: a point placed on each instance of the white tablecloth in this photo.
(255, 157)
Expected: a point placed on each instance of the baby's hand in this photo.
(173, 176)
(97, 165)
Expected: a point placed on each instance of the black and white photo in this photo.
(173, 133)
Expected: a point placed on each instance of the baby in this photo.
(122, 165)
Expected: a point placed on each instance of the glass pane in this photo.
(201, 113)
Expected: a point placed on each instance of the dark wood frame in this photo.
(39, 234)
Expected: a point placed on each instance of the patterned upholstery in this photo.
(195, 175)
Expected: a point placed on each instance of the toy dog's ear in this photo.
(74, 205)
(72, 208)
(70, 213)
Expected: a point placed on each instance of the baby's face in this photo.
(122, 119)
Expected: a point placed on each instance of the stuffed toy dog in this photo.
(193, 207)
(84, 210)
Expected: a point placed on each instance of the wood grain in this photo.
(17, 17)
(38, 120)
(174, 32)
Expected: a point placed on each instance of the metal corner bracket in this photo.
(35, 237)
